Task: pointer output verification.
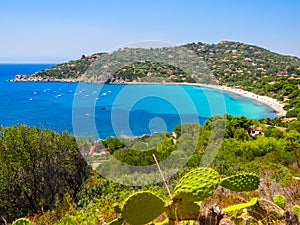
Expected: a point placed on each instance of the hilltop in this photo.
(232, 64)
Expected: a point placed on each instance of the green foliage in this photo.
(232, 63)
(280, 200)
(96, 200)
(235, 155)
(196, 185)
(69, 70)
(113, 144)
(22, 221)
(161, 145)
(296, 210)
(81, 217)
(152, 71)
(142, 207)
(280, 174)
(237, 207)
(36, 169)
(273, 132)
(241, 182)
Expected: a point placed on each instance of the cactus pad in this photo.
(184, 210)
(196, 185)
(241, 182)
(142, 207)
(22, 221)
(231, 208)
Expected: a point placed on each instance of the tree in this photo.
(273, 132)
(113, 144)
(36, 169)
(241, 134)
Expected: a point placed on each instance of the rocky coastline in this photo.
(25, 78)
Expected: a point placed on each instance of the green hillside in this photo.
(254, 69)
(44, 177)
(227, 63)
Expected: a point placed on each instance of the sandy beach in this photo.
(271, 102)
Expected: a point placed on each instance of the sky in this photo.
(61, 30)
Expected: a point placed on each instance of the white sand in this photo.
(271, 102)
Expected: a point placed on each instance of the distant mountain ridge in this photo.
(249, 67)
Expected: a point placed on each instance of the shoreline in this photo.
(270, 102)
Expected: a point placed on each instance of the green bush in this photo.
(280, 200)
(36, 169)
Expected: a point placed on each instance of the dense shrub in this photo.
(36, 168)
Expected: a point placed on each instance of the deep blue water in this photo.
(112, 110)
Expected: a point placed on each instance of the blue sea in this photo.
(112, 110)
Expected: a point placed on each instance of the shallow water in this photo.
(112, 110)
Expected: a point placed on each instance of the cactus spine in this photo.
(197, 185)
(241, 182)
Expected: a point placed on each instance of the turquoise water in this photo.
(112, 110)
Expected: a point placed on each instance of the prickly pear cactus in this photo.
(241, 182)
(142, 207)
(296, 210)
(22, 221)
(184, 210)
(196, 185)
(232, 208)
(280, 200)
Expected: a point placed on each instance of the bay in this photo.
(113, 110)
